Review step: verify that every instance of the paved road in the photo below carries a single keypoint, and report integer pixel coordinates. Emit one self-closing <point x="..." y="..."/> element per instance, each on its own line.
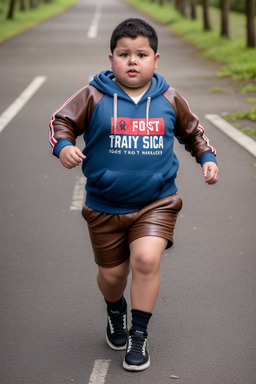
<point x="52" y="317"/>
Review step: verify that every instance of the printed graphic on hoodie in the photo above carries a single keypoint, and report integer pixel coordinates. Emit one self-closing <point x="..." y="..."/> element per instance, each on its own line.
<point x="130" y="134"/>
<point x="128" y="126"/>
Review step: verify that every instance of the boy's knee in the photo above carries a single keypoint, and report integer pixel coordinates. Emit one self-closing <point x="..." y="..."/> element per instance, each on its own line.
<point x="111" y="278"/>
<point x="144" y="263"/>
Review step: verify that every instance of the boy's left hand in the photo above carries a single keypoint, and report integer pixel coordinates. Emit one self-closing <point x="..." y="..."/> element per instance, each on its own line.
<point x="210" y="172"/>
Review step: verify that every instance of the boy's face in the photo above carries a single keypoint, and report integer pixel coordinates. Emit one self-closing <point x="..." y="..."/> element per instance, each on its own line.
<point x="133" y="63"/>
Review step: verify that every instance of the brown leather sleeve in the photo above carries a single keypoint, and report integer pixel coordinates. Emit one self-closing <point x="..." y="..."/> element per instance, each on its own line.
<point x="188" y="131"/>
<point x="74" y="116"/>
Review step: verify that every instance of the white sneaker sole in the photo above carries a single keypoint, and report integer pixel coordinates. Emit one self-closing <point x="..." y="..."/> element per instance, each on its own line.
<point x="136" y="368"/>
<point x="112" y="346"/>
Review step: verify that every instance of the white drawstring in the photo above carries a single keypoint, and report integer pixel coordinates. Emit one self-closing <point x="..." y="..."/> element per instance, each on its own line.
<point x="147" y="112"/>
<point x="115" y="112"/>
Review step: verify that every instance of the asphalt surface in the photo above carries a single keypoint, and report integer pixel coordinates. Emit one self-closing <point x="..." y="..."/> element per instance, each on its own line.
<point x="52" y="315"/>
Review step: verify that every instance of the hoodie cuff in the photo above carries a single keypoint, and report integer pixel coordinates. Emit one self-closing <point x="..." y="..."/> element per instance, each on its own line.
<point x="207" y="156"/>
<point x="59" y="145"/>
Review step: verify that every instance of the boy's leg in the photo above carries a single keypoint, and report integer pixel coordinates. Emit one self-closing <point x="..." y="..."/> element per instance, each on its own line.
<point x="145" y="258"/>
<point x="112" y="283"/>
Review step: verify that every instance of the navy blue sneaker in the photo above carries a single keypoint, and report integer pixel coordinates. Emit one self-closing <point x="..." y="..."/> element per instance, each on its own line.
<point x="137" y="353"/>
<point x="117" y="332"/>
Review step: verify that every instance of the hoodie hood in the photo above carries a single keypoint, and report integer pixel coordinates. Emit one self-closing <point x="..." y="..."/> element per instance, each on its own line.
<point x="104" y="83"/>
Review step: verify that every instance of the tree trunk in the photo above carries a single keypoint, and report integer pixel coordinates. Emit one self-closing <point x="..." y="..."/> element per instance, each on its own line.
<point x="10" y="13"/>
<point x="22" y="5"/>
<point x="193" y="9"/>
<point x="180" y="5"/>
<point x="184" y="8"/>
<point x="250" y="24"/>
<point x="206" y="19"/>
<point x="225" y="7"/>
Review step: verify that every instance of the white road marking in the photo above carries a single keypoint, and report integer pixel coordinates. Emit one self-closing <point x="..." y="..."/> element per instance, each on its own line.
<point x="19" y="103"/>
<point x="239" y="137"/>
<point x="93" y="30"/>
<point x="99" y="372"/>
<point x="78" y="197"/>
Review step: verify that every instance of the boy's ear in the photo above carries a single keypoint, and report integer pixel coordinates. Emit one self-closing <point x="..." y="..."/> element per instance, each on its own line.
<point x="157" y="57"/>
<point x="110" y="59"/>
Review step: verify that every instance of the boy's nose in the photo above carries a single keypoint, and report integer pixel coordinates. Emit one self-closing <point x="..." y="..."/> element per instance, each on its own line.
<point x="133" y="60"/>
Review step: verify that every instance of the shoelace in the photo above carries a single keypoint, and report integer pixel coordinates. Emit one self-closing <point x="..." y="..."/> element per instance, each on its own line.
<point x="117" y="320"/>
<point x="136" y="344"/>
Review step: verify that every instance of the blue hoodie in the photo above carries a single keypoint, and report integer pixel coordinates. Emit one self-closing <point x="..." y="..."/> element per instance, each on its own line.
<point x="130" y="160"/>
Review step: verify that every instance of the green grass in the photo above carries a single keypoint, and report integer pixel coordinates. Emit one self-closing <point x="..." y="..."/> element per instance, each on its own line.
<point x="216" y="89"/>
<point x="249" y="89"/>
<point x="246" y="131"/>
<point x="243" y="115"/>
<point x="250" y="115"/>
<point x="239" y="61"/>
<point x="29" y="18"/>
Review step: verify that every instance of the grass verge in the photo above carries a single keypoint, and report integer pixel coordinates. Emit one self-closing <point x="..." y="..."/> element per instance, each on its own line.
<point x="24" y="20"/>
<point x="244" y="116"/>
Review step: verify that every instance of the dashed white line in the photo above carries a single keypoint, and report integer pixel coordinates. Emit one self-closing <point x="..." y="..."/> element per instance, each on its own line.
<point x="78" y="197"/>
<point x="239" y="137"/>
<point x="99" y="372"/>
<point x="93" y="30"/>
<point x="21" y="100"/>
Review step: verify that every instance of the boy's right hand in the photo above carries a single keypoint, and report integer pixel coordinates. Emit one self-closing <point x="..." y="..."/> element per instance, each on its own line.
<point x="70" y="156"/>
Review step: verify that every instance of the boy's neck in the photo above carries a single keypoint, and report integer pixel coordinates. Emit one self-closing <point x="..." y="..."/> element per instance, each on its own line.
<point x="134" y="92"/>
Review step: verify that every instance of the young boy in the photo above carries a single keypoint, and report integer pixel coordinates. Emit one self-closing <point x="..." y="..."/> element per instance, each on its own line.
<point x="129" y="117"/>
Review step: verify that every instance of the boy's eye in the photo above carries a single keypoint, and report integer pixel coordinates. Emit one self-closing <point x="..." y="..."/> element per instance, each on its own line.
<point x="123" y="54"/>
<point x="141" y="55"/>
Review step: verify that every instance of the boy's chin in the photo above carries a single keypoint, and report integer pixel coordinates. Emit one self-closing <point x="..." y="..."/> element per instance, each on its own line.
<point x="135" y="86"/>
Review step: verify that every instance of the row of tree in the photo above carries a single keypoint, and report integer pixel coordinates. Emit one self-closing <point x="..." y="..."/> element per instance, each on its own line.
<point x="23" y="5"/>
<point x="188" y="8"/>
<point x="183" y="6"/>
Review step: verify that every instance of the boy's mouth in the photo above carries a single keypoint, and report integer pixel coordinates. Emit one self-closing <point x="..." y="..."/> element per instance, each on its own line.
<point x="132" y="71"/>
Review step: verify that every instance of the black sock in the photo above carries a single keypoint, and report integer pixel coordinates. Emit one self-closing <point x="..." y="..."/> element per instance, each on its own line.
<point x="140" y="320"/>
<point x="117" y="306"/>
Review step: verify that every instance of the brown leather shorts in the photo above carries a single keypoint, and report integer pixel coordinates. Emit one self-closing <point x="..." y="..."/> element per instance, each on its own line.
<point x="111" y="235"/>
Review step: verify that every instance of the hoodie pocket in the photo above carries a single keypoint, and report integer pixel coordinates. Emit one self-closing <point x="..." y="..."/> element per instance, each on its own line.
<point x="130" y="186"/>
